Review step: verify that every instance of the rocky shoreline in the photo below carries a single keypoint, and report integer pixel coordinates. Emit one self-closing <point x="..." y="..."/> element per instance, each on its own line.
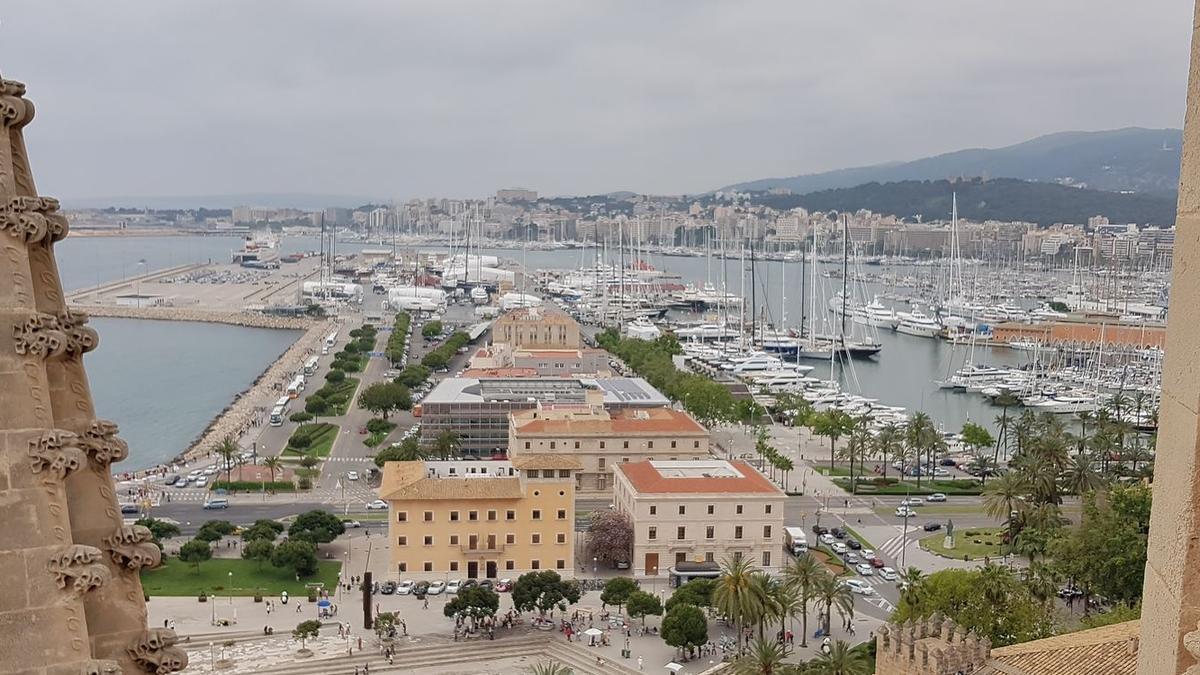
<point x="244" y="319"/>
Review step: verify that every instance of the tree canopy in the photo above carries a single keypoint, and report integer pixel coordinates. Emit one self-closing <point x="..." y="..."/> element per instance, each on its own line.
<point x="195" y="552"/>
<point x="542" y="591"/>
<point x="685" y="627"/>
<point x="319" y="527"/>
<point x="474" y="602"/>
<point x="617" y="590"/>
<point x="610" y="536"/>
<point x="385" y="398"/>
<point x="297" y="555"/>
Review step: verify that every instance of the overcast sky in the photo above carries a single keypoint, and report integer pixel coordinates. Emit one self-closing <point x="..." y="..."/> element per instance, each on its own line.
<point x="405" y="99"/>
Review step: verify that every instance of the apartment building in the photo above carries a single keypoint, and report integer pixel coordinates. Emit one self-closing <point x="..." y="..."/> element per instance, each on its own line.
<point x="537" y="328"/>
<point x="501" y="356"/>
<point x="690" y="512"/>
<point x="600" y="439"/>
<point x="476" y="520"/>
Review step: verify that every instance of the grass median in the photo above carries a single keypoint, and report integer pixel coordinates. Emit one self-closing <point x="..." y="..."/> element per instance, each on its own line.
<point x="177" y="578"/>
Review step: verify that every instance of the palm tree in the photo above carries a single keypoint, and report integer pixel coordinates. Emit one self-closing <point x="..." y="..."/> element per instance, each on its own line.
<point x="765" y="658"/>
<point x="446" y="444"/>
<point x="786" y="466"/>
<point x="273" y="464"/>
<point x="922" y="437"/>
<point x="833" y="594"/>
<point x="763" y="600"/>
<point x="227" y="449"/>
<point x="860" y="443"/>
<point x="1005" y="400"/>
<point x="549" y="668"/>
<point x="803" y="575"/>
<point x="787" y="603"/>
<point x="1001" y="498"/>
<point x="994" y="582"/>
<point x="733" y="596"/>
<point x="889" y="443"/>
<point x="842" y="659"/>
<point x="912" y="582"/>
<point x="1080" y="477"/>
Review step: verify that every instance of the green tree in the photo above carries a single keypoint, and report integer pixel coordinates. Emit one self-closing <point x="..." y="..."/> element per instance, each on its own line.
<point x="316" y="405"/>
<point x="263" y="528"/>
<point x="413" y="375"/>
<point x="272" y="464"/>
<point x="475" y="603"/>
<point x="259" y="550"/>
<point x="195" y="552"/>
<point x="1106" y="553"/>
<point x="616" y="591"/>
<point x="976" y="437"/>
<point x="610" y="536"/>
<point x="640" y="604"/>
<point x="832" y="424"/>
<point x="306" y="630"/>
<point x="1002" y="497"/>
<point x="308" y="461"/>
<point x="804" y="574"/>
<point x="923" y="440"/>
<point x="766" y="657"/>
<point x="445" y="445"/>
<point x="832" y="594"/>
<point x="297" y="555"/>
<point x="227" y="449"/>
<point x="319" y="527"/>
<point x="334" y="376"/>
<point x="549" y="668"/>
<point x="685" y="627"/>
<point x="159" y="529"/>
<point x="843" y="659"/>
<point x="543" y="591"/>
<point x="431" y="329"/>
<point x="408" y="450"/>
<point x="301" y="417"/>
<point x="384" y="398"/>
<point x="734" y="598"/>
<point x="696" y="592"/>
<point x="213" y="530"/>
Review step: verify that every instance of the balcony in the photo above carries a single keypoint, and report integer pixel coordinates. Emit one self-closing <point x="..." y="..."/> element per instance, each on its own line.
<point x="481" y="548"/>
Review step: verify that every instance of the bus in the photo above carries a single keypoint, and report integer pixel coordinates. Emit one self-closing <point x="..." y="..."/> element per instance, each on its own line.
<point x="277" y="414"/>
<point x="297" y="386"/>
<point x="310" y="366"/>
<point x="283" y="402"/>
<point x="331" y="339"/>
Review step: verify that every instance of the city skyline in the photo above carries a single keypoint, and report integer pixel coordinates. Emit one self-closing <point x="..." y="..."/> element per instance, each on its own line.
<point x="396" y="103"/>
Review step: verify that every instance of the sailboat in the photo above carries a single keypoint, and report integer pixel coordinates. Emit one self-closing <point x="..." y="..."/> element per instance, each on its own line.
<point x="858" y="349"/>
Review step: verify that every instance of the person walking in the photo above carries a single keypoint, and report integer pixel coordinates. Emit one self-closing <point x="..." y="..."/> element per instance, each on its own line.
<point x="640" y="664"/>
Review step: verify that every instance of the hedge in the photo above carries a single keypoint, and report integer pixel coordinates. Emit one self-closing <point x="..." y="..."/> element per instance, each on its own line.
<point x="253" y="485"/>
<point x="396" y="341"/>
<point x="440" y="357"/>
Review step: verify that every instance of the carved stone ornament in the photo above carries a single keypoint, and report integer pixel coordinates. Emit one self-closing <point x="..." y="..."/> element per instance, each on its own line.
<point x="33" y="219"/>
<point x="132" y="547"/>
<point x="55" y="452"/>
<point x="1191" y="642"/>
<point x="155" y="652"/>
<point x="39" y="335"/>
<point x="78" y="567"/>
<point x="15" y="111"/>
<point x="101" y="667"/>
<point x="102" y="445"/>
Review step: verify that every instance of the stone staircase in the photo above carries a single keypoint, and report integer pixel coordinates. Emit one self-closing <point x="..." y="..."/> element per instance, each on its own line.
<point x="408" y="659"/>
<point x="583" y="662"/>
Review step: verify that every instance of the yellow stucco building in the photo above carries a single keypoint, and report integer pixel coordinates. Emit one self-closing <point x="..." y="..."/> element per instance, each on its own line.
<point x="476" y="520"/>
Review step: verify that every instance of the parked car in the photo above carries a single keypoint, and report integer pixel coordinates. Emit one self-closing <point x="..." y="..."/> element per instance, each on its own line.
<point x="388" y="587"/>
<point x="622" y="564"/>
<point x="911" y="501"/>
<point x="377" y="505"/>
<point x="504" y="585"/>
<point x="865" y="570"/>
<point x="839" y="548"/>
<point x="201" y="481"/>
<point x="350" y="522"/>
<point x="469" y="583"/>
<point x="905" y="512"/>
<point x="818" y="530"/>
<point x="887" y="574"/>
<point x="421" y="588"/>
<point x="937" y="497"/>
<point x="854" y="544"/>
<point x="453" y="585"/>
<point x="838" y="532"/>
<point x="405" y="587"/>
<point x="1069" y="592"/>
<point x="876" y="562"/>
<point x="129" y="508"/>
<point x="852" y="558"/>
<point x="437" y="587"/>
<point x="172" y="479"/>
<point x="932" y="527"/>
<point x="946" y="461"/>
<point x="858" y="586"/>
<point x="827" y="538"/>
<point x="867" y="553"/>
<point x="486" y="583"/>
<point x="351" y="475"/>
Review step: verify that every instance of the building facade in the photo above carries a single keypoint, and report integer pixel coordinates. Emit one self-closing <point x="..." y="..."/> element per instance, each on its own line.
<point x="601" y="439"/>
<point x="449" y="520"/>
<point x="585" y="361"/>
<point x="699" y="511"/>
<point x="537" y="328"/>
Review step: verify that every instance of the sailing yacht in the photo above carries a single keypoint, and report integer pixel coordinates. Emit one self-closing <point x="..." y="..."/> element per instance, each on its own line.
<point x="917" y="323"/>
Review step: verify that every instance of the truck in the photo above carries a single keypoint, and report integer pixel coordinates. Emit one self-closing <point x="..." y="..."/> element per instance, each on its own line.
<point x="795" y="541"/>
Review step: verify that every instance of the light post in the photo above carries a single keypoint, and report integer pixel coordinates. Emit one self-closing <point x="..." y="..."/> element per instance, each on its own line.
<point x="231" y="588"/>
<point x="904" y="537"/>
<point x="595" y="563"/>
<point x="212" y="602"/>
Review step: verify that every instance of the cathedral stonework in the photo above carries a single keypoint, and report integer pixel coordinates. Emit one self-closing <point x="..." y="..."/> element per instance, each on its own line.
<point x="63" y="542"/>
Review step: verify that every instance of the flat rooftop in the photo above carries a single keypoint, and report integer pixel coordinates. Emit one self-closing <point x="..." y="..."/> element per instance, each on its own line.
<point x="552" y="420"/>
<point x="628" y="391"/>
<point x="706" y="476"/>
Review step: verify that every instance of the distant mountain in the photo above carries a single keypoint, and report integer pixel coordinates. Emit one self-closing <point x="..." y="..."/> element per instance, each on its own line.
<point x="999" y="199"/>
<point x="270" y="200"/>
<point x="1130" y="159"/>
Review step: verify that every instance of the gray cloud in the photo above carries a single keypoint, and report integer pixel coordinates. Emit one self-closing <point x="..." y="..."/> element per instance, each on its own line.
<point x="459" y="98"/>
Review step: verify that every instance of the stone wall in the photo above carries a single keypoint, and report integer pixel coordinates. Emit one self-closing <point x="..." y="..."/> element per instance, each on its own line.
<point x="931" y="646"/>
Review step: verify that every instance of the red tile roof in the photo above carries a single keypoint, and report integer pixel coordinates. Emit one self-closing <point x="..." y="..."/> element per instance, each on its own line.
<point x="647" y="480"/>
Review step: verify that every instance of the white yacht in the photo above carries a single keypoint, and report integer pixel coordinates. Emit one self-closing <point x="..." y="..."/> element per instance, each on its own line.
<point x="706" y="331"/>
<point x="642" y="329"/>
<point x="917" y="323"/>
<point x="876" y="315"/>
<point x="756" y="361"/>
<point x="480" y="296"/>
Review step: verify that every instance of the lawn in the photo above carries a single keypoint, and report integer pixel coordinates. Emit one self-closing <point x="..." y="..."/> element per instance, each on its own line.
<point x="378" y="437"/>
<point x="948" y="509"/>
<point x="835" y="471"/>
<point x="323" y="434"/>
<point x="962" y="487"/>
<point x="180" y="578"/>
<point x="975" y="543"/>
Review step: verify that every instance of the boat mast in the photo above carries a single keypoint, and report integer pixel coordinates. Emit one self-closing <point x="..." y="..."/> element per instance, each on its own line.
<point x="845" y="271"/>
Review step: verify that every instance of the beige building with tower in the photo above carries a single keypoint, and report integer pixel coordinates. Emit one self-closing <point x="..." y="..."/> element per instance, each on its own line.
<point x="537" y="328"/>
<point x="477" y="520"/>
<point x="600" y="439"/>
<point x="702" y="511"/>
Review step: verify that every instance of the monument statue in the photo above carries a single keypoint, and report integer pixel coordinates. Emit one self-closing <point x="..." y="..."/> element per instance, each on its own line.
<point x="949" y="541"/>
<point x="73" y="600"/>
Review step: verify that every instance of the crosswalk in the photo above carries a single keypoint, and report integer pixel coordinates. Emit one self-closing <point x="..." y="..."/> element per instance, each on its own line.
<point x="893" y="547"/>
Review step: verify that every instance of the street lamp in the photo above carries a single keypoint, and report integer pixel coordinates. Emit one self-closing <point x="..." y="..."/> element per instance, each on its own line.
<point x="595" y="563"/>
<point x="212" y="602"/>
<point x="231" y="588"/>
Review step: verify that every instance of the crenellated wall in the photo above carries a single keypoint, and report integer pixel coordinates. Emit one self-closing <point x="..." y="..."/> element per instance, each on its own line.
<point x="932" y="646"/>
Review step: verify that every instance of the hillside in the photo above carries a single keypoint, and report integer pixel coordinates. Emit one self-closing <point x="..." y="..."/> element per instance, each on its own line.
<point x="1135" y="159"/>
<point x="998" y="199"/>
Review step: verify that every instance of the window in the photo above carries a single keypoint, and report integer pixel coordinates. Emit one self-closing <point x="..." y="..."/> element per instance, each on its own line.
<point x="766" y="558"/>
<point x="560" y="564"/>
<point x="653" y="533"/>
<point x="695" y="444"/>
<point x="402" y="516"/>
<point x="531" y="473"/>
<point x="672" y="445"/>
<point x="737" y="532"/>
<point x="625" y="444"/>
<point x="601" y="463"/>
<point x="510" y="515"/>
<point x="472" y="515"/>
<point x="429" y="540"/>
<point x="682" y="509"/>
<point x="428" y="567"/>
<point x="453" y="516"/>
<point x="403" y="567"/>
<point x="402" y="541"/>
<point x="535" y="538"/>
<point x="510" y="538"/>
<point x="710" y="509"/>
<point x="650" y="444"/>
<point x="601" y="445"/>
<point x="737" y="556"/>
<point x="453" y="565"/>
<point x="564" y="473"/>
<point x="552" y="445"/>
<point x="708" y="557"/>
<point x="561" y="538"/>
<point x="768" y="509"/>
<point x="491" y="514"/>
<point x="625" y="460"/>
<point x="537" y="514"/>
<point x="653" y="510"/>
<point x="535" y="564"/>
<point x="562" y="514"/>
<point x="708" y="532"/>
<point x="526" y="445"/>
<point x="766" y="531"/>
<point x="429" y="516"/>
<point x="508" y="565"/>
<point x="681" y="532"/>
<point x="739" y="509"/>
<point x="454" y="540"/>
<point x="576" y="445"/>
<point x="680" y="556"/>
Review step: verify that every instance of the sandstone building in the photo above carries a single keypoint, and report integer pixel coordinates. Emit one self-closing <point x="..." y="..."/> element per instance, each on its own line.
<point x="537" y="328"/>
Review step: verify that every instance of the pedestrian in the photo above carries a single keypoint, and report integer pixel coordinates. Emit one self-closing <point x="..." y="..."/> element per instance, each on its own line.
<point x="360" y="644"/>
<point x="426" y="606"/>
<point x="640" y="664"/>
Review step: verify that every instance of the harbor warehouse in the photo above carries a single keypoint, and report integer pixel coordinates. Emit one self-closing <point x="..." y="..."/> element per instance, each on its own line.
<point x="695" y="514"/>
